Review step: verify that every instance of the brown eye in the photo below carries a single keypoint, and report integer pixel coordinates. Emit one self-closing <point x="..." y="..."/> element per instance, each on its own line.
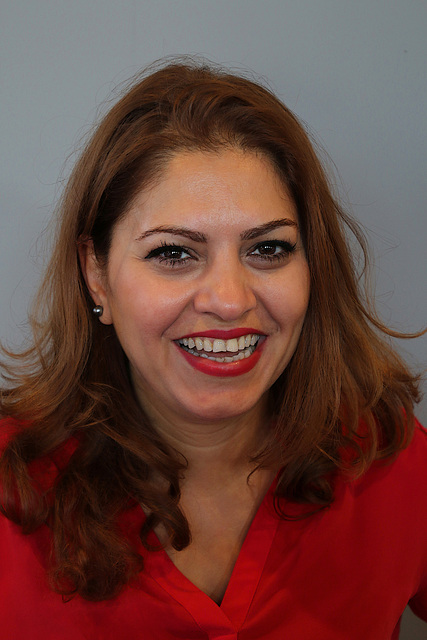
<point x="273" y="250"/>
<point x="268" y="249"/>
<point x="170" y="254"/>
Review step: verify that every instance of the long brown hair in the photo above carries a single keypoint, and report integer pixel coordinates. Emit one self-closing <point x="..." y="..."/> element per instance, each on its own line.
<point x="344" y="400"/>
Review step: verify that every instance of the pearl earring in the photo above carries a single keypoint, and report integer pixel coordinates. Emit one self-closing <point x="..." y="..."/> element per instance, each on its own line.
<point x="98" y="310"/>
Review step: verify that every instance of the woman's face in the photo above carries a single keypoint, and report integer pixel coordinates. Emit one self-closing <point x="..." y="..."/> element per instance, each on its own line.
<point x="207" y="286"/>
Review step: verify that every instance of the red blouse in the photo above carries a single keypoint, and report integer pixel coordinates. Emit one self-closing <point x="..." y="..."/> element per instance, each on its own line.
<point x="345" y="573"/>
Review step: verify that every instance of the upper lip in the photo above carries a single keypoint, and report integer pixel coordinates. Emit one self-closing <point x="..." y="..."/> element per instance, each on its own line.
<point x="224" y="334"/>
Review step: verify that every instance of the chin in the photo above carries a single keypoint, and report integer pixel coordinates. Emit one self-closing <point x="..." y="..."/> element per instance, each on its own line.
<point x="220" y="412"/>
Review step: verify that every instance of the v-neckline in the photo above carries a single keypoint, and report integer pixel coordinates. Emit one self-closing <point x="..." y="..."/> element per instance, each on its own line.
<point x="229" y="616"/>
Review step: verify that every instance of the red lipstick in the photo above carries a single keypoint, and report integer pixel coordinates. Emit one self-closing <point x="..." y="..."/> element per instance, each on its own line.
<point x="222" y="369"/>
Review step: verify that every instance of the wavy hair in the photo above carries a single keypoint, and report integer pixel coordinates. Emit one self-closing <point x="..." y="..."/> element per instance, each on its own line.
<point x="344" y="400"/>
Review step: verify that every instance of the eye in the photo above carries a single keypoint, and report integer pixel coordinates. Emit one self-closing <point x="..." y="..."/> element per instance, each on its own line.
<point x="170" y="255"/>
<point x="272" y="250"/>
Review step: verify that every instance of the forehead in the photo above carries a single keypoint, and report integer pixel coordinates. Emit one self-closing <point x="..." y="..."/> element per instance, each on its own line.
<point x="215" y="189"/>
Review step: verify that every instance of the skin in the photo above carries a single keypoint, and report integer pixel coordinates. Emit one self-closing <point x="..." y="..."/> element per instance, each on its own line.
<point x="224" y="282"/>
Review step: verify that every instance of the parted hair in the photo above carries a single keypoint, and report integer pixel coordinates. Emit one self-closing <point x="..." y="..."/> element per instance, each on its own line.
<point x="344" y="401"/>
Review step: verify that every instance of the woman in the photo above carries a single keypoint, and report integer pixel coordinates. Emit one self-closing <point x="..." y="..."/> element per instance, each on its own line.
<point x="210" y="437"/>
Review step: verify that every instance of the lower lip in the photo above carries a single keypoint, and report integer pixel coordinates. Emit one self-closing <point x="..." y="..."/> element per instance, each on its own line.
<point x="222" y="369"/>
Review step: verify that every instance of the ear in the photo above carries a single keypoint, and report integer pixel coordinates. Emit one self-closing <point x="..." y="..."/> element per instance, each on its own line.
<point x="95" y="279"/>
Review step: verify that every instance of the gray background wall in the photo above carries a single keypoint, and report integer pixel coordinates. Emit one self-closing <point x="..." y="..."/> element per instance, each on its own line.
<point x="354" y="71"/>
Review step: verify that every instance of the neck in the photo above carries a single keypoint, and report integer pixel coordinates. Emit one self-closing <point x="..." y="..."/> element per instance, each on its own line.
<point x="223" y="447"/>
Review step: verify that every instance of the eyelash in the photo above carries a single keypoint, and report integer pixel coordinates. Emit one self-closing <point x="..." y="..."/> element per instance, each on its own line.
<point x="287" y="249"/>
<point x="165" y="247"/>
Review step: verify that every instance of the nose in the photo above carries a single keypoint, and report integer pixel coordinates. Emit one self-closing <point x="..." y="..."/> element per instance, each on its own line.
<point x="226" y="290"/>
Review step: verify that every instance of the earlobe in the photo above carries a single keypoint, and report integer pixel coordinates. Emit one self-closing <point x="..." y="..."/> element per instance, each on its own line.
<point x="95" y="280"/>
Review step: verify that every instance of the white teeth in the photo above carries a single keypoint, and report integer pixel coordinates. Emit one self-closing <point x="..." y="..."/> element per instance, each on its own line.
<point x="242" y="347"/>
<point x="207" y="345"/>
<point x="232" y="345"/>
<point x="239" y="356"/>
<point x="218" y="345"/>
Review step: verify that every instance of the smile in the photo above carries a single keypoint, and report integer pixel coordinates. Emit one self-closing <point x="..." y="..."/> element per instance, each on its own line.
<point x="241" y="348"/>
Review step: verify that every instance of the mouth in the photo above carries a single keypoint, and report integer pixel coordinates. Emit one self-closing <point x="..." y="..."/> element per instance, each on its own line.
<point x="221" y="350"/>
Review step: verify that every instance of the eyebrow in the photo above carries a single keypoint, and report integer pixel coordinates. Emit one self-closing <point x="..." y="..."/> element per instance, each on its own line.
<point x="250" y="234"/>
<point x="175" y="231"/>
<point x="196" y="236"/>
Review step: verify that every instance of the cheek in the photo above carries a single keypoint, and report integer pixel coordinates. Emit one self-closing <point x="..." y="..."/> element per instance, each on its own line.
<point x="289" y="300"/>
<point x="145" y="306"/>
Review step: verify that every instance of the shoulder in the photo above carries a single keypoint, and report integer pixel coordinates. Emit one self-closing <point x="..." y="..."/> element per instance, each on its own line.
<point x="419" y="441"/>
<point x="417" y="447"/>
<point x="392" y="496"/>
<point x="411" y="462"/>
<point x="406" y="470"/>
